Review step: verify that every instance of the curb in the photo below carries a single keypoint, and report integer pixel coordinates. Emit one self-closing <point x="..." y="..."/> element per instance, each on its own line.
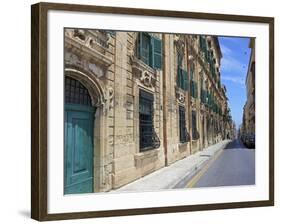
<point x="196" y="169"/>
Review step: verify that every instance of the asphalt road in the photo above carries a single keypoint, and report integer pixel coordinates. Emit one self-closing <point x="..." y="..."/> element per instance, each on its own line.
<point x="235" y="165"/>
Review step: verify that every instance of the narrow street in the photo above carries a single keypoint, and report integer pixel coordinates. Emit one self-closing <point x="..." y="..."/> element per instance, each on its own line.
<point x="234" y="165"/>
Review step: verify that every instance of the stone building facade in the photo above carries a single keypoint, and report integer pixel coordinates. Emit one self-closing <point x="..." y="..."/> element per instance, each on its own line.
<point x="136" y="102"/>
<point x="248" y="123"/>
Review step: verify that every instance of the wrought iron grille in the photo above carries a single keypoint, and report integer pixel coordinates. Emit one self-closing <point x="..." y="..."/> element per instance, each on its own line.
<point x="184" y="136"/>
<point x="148" y="137"/>
<point x="195" y="133"/>
<point x="76" y="93"/>
<point x="155" y="140"/>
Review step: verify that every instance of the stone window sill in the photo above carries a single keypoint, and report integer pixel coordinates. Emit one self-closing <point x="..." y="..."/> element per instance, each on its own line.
<point x="183" y="143"/>
<point x="194" y="140"/>
<point x="150" y="155"/>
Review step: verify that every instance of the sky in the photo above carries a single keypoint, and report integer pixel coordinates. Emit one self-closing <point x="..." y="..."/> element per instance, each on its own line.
<point x="234" y="67"/>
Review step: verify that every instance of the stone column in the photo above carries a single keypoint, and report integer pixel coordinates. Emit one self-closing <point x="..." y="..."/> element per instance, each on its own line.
<point x="123" y="157"/>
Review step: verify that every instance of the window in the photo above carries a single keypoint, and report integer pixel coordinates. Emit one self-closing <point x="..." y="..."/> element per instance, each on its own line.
<point x="150" y="50"/>
<point x="203" y="96"/>
<point x="148" y="137"/>
<point x="195" y="134"/>
<point x="184" y="137"/>
<point x="210" y="99"/>
<point x="194" y="87"/>
<point x="76" y="93"/>
<point x="202" y="42"/>
<point x="111" y="32"/>
<point x="203" y="93"/>
<point x="182" y="77"/>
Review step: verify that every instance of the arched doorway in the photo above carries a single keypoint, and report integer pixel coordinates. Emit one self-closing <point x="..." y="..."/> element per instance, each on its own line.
<point x="78" y="138"/>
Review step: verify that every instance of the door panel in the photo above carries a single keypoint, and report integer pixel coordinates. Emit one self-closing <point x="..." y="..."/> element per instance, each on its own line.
<point x="78" y="149"/>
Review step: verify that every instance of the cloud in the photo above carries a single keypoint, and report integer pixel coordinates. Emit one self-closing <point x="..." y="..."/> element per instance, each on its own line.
<point x="225" y="50"/>
<point x="234" y="79"/>
<point x="230" y="64"/>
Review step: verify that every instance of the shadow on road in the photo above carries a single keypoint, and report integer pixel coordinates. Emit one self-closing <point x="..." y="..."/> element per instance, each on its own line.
<point x="235" y="144"/>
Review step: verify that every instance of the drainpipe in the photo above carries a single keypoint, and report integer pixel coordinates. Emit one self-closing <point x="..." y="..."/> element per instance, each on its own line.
<point x="164" y="101"/>
<point x="189" y="100"/>
<point x="164" y="107"/>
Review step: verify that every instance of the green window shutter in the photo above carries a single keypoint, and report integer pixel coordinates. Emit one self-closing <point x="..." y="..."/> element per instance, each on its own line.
<point x="191" y="73"/>
<point x="157" y="53"/>
<point x="196" y="90"/>
<point x="178" y="77"/>
<point x="185" y="80"/>
<point x="188" y="81"/>
<point x="182" y="79"/>
<point x="193" y="89"/>
<point x="111" y="32"/>
<point x="144" y="47"/>
<point x="203" y="97"/>
<point x="138" y="47"/>
<point x="200" y="42"/>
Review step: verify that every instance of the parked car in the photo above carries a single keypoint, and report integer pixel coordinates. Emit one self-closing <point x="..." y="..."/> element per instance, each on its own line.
<point x="243" y="137"/>
<point x="248" y="140"/>
<point x="251" y="141"/>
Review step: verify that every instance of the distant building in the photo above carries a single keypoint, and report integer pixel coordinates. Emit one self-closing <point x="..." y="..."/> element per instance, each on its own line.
<point x="136" y="102"/>
<point x="248" y="122"/>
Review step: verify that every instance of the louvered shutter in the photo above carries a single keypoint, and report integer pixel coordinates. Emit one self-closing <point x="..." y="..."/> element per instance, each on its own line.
<point x="157" y="53"/>
<point x="185" y="80"/>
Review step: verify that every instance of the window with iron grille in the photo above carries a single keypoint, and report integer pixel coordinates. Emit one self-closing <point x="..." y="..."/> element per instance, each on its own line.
<point x="76" y="93"/>
<point x="195" y="134"/>
<point x="184" y="137"/>
<point x="146" y="129"/>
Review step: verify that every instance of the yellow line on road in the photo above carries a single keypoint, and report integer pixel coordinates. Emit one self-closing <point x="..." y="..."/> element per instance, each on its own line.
<point x="197" y="177"/>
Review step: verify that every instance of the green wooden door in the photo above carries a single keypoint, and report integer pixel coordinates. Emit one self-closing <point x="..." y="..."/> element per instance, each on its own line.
<point x="78" y="175"/>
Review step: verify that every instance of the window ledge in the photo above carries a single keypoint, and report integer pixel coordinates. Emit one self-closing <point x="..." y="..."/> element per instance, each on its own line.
<point x="146" y="76"/>
<point x="139" y="64"/>
<point x="150" y="155"/>
<point x="183" y="143"/>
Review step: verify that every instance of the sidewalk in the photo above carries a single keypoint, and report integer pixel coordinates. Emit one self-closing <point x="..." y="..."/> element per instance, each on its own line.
<point x="174" y="175"/>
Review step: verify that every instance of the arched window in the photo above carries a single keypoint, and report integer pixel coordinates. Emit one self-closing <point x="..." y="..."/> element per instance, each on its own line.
<point x="76" y="93"/>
